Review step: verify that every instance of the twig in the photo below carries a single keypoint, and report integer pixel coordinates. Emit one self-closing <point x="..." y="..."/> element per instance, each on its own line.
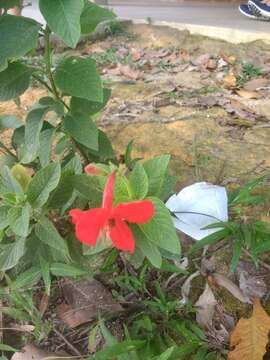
<point x="68" y="343"/>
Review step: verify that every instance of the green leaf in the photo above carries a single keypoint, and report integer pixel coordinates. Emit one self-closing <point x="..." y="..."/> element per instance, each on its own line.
<point x="83" y="130"/>
<point x="105" y="151"/>
<point x="18" y="36"/>
<point x="63" y="17"/>
<point x="3" y="217"/>
<point x="92" y="15"/>
<point x="63" y="192"/>
<point x="10" y="254"/>
<point x="112" y="351"/>
<point x="210" y="240"/>
<point x="9" y="122"/>
<point x="138" y="181"/>
<point x="42" y="184"/>
<point x="237" y="245"/>
<point x="160" y="230"/>
<point x="44" y="151"/>
<point x="79" y="77"/>
<point x="14" y="80"/>
<point x="147" y="247"/>
<point x="21" y="174"/>
<point x="89" y="187"/>
<point x="7" y="160"/>
<point x="165" y="355"/>
<point x="67" y="270"/>
<point x="27" y="279"/>
<point x="47" y="233"/>
<point x="4" y="347"/>
<point x="168" y="187"/>
<point x="45" y="272"/>
<point x="33" y="126"/>
<point x="8" y="4"/>
<point x="156" y="170"/>
<point x="19" y="218"/>
<point x="8" y="183"/>
<point x="86" y="107"/>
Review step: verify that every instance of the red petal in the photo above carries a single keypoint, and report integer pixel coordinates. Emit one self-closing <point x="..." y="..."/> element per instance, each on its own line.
<point x="89" y="225"/>
<point x="75" y="215"/>
<point x="138" y="212"/>
<point x="122" y="236"/>
<point x="108" y="192"/>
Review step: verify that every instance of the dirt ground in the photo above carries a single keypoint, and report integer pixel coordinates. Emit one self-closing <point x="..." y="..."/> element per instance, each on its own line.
<point x="172" y="98"/>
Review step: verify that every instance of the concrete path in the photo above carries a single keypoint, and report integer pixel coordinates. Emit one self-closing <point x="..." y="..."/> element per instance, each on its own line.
<point x="211" y="19"/>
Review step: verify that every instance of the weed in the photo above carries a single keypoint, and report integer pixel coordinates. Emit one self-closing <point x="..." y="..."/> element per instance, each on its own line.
<point x="249" y="71"/>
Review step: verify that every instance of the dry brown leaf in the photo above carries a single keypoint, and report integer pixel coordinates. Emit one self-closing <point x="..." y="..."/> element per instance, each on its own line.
<point x="85" y="299"/>
<point x="31" y="352"/>
<point x="247" y="94"/>
<point x="136" y="54"/>
<point x="205" y="307"/>
<point x="229" y="81"/>
<point x="240" y="110"/>
<point x="201" y="60"/>
<point x="250" y="336"/>
<point x="185" y="289"/>
<point x="255" y="84"/>
<point x="222" y="281"/>
<point x="128" y="72"/>
<point x="229" y="59"/>
<point x="212" y="64"/>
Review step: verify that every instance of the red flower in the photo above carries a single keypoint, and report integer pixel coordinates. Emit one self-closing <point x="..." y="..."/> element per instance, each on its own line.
<point x="89" y="224"/>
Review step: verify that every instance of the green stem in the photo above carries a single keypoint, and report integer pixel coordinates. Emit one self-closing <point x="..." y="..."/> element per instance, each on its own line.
<point x="39" y="79"/>
<point x="50" y="89"/>
<point x="47" y="58"/>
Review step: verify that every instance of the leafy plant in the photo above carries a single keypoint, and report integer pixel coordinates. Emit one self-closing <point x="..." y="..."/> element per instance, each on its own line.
<point x="249" y="71"/>
<point x="42" y="172"/>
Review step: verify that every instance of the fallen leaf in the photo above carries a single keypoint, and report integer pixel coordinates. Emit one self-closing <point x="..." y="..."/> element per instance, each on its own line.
<point x="201" y="60"/>
<point x="31" y="352"/>
<point x="185" y="289"/>
<point x="240" y="110"/>
<point x="255" y="84"/>
<point x="229" y="81"/>
<point x="251" y="280"/>
<point x="135" y="54"/>
<point x="212" y="64"/>
<point x="229" y="59"/>
<point x="226" y="283"/>
<point x="205" y="307"/>
<point x="130" y="73"/>
<point x="85" y="299"/>
<point x="250" y="336"/>
<point x="247" y="94"/>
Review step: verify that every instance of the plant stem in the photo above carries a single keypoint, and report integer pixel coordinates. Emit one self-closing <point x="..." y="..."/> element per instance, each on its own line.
<point x="47" y="58"/>
<point x="43" y="82"/>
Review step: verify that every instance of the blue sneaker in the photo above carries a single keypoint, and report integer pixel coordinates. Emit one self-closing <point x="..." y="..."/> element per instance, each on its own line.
<point x="246" y="10"/>
<point x="259" y="9"/>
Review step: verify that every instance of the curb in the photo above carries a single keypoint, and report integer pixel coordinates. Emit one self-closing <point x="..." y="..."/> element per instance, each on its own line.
<point x="234" y="36"/>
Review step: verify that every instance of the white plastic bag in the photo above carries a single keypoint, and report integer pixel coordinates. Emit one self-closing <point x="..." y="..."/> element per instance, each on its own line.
<point x="197" y="206"/>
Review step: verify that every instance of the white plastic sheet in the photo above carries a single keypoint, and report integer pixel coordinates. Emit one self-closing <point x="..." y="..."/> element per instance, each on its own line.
<point x="197" y="206"/>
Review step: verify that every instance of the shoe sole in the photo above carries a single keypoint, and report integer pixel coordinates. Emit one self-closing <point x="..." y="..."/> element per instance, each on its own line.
<point x="265" y="14"/>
